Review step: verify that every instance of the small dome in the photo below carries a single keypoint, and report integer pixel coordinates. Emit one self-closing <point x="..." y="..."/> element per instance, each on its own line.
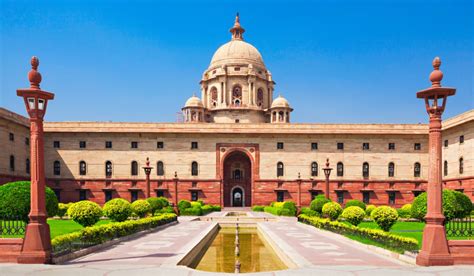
<point x="237" y="51"/>
<point x="194" y="102"/>
<point x="280" y="102"/>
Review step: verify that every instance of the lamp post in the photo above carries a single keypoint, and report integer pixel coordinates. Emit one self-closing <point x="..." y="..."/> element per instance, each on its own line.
<point x="147" y="170"/>
<point x="37" y="242"/>
<point x="435" y="249"/>
<point x="327" y="172"/>
<point x="176" y="179"/>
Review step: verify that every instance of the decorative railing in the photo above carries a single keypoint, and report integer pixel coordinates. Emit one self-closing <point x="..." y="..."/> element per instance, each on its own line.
<point x="460" y="227"/>
<point x="12" y="226"/>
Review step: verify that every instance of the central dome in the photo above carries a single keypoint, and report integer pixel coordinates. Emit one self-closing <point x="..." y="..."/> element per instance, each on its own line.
<point x="237" y="51"/>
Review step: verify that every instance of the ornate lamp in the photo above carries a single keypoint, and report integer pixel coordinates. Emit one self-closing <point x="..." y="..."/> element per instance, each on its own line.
<point x="147" y="170"/>
<point x="327" y="172"/>
<point x="435" y="250"/>
<point x="37" y="242"/>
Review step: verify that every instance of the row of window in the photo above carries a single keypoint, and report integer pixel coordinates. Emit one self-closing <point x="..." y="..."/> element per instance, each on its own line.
<point x="108" y="144"/>
<point x="461" y="166"/>
<point x="461" y="141"/>
<point x="340" y="146"/>
<point x="11" y="137"/>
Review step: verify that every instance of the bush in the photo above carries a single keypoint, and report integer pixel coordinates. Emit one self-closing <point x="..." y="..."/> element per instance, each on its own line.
<point x="405" y="211"/>
<point x="258" y="208"/>
<point x="353" y="214"/>
<point x="117" y="209"/>
<point x="193" y="211"/>
<point x="184" y="204"/>
<point x="465" y="205"/>
<point x="385" y="217"/>
<point x="157" y="203"/>
<point x="196" y="204"/>
<point x="62" y="209"/>
<point x="86" y="213"/>
<point x="450" y="205"/>
<point x="369" y="209"/>
<point x="307" y="211"/>
<point x="15" y="200"/>
<point x="206" y="209"/>
<point x="141" y="208"/>
<point x="332" y="210"/>
<point x="286" y="208"/>
<point x="355" y="202"/>
<point x="291" y="207"/>
<point x="390" y="240"/>
<point x="273" y="210"/>
<point x="99" y="234"/>
<point x="216" y="208"/>
<point x="318" y="203"/>
<point x="166" y="210"/>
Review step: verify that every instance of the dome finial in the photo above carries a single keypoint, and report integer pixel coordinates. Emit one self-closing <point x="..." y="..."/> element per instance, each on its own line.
<point x="34" y="76"/>
<point x="237" y="31"/>
<point x="436" y="76"/>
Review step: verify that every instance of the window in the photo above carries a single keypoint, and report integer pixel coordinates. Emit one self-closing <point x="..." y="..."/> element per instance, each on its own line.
<point x="194" y="145"/>
<point x="194" y="196"/>
<point x="417" y="170"/>
<point x="340" y="197"/>
<point x="391" y="146"/>
<point x="108" y="195"/>
<point x="260" y="97"/>
<point x="56" y="144"/>
<point x="461" y="165"/>
<point x="280" y="169"/>
<point x="134" y="145"/>
<point x="314" y="169"/>
<point x="445" y="169"/>
<point x="314" y="194"/>
<point x="446" y="143"/>
<point x="160" y="170"/>
<point x="340" y="169"/>
<point x="391" y="198"/>
<point x="461" y="139"/>
<point x="57" y="168"/>
<point x="366" y="197"/>
<point x="82" y="194"/>
<point x="391" y="169"/>
<point x="314" y="146"/>
<point x="237" y="68"/>
<point x="57" y="192"/>
<point x="194" y="168"/>
<point x="365" y="146"/>
<point x="82" y="168"/>
<point x="365" y="170"/>
<point x="417" y="146"/>
<point x="133" y="195"/>
<point x="27" y="141"/>
<point x="11" y="137"/>
<point x="160" y="145"/>
<point x="82" y="144"/>
<point x="237" y="95"/>
<point x="237" y="121"/>
<point x="108" y="169"/>
<point x="108" y="144"/>
<point x="134" y="168"/>
<point x="280" y="145"/>
<point x="12" y="163"/>
<point x="280" y="196"/>
<point x="160" y="193"/>
<point x="28" y="166"/>
<point x="340" y="146"/>
<point x="237" y="175"/>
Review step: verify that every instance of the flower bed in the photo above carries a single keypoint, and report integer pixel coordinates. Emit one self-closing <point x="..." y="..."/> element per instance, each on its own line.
<point x="391" y="241"/>
<point x="94" y="235"/>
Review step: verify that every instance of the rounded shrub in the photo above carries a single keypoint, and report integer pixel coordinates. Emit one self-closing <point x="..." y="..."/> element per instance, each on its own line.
<point x="165" y="210"/>
<point x="141" y="207"/>
<point x="355" y="202"/>
<point x="385" y="217"/>
<point x="15" y="200"/>
<point x="291" y="207"/>
<point x="369" y="209"/>
<point x="196" y="204"/>
<point x="332" y="210"/>
<point x="405" y="211"/>
<point x="62" y="209"/>
<point x="117" y="209"/>
<point x="156" y="203"/>
<point x="465" y="205"/>
<point x="86" y="213"/>
<point x="307" y="211"/>
<point x="184" y="204"/>
<point x="450" y="205"/>
<point x="318" y="203"/>
<point x="353" y="214"/>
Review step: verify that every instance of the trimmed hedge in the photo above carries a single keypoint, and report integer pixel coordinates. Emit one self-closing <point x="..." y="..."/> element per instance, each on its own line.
<point x="390" y="240"/>
<point x="157" y="203"/>
<point x="184" y="204"/>
<point x="98" y="234"/>
<point x="307" y="211"/>
<point x="369" y="209"/>
<point x="450" y="205"/>
<point x="332" y="210"/>
<point x="465" y="205"/>
<point x="141" y="208"/>
<point x="85" y="212"/>
<point x="318" y="203"/>
<point x="196" y="208"/>
<point x="355" y="202"/>
<point x="405" y="211"/>
<point x="117" y="209"/>
<point x="258" y="208"/>
<point x="385" y="217"/>
<point x="166" y="210"/>
<point x="15" y="200"/>
<point x="62" y="209"/>
<point x="353" y="214"/>
<point x="286" y="208"/>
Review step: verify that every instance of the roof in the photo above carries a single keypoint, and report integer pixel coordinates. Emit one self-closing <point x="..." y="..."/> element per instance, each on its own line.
<point x="14" y="117"/>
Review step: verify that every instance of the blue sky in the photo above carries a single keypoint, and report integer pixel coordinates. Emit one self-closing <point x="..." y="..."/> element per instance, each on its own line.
<point x="335" y="61"/>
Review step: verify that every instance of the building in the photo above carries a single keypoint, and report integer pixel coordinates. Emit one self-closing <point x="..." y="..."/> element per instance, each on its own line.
<point x="238" y="147"/>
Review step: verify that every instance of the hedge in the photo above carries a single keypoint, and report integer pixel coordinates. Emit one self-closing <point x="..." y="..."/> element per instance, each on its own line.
<point x="89" y="236"/>
<point x="309" y="212"/>
<point x="286" y="208"/>
<point x="390" y="240"/>
<point x="258" y="208"/>
<point x="318" y="203"/>
<point x="355" y="202"/>
<point x="196" y="208"/>
<point x="451" y="207"/>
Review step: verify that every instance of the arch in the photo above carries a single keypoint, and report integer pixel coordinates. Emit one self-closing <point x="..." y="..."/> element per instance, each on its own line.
<point x="194" y="168"/>
<point x="82" y="168"/>
<point x="391" y="169"/>
<point x="280" y="169"/>
<point x="340" y="169"/>
<point x="232" y="203"/>
<point x="213" y="96"/>
<point x="56" y="168"/>
<point x="365" y="170"/>
<point x="314" y="169"/>
<point x="160" y="168"/>
<point x="237" y="159"/>
<point x="134" y="168"/>
<point x="237" y="95"/>
<point x="417" y="169"/>
<point x="108" y="168"/>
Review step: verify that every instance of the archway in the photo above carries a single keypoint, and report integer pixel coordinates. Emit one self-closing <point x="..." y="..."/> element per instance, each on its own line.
<point x="237" y="180"/>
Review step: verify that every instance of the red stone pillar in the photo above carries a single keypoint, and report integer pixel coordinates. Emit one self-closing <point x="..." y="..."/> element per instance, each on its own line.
<point x="435" y="249"/>
<point x="37" y="242"/>
<point x="147" y="170"/>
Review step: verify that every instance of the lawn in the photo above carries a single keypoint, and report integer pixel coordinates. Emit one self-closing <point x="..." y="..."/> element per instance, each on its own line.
<point x="60" y="227"/>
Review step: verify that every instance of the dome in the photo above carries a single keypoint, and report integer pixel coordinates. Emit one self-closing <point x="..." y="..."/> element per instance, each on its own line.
<point x="194" y="102"/>
<point x="237" y="51"/>
<point x="280" y="102"/>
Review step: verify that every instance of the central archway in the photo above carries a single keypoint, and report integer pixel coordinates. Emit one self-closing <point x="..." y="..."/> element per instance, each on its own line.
<point x="237" y="180"/>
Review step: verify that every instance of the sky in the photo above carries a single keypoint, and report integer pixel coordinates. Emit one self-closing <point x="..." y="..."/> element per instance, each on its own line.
<point x="335" y="61"/>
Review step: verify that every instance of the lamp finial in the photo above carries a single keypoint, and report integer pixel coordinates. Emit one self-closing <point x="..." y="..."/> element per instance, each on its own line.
<point x="34" y="76"/>
<point x="436" y="76"/>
